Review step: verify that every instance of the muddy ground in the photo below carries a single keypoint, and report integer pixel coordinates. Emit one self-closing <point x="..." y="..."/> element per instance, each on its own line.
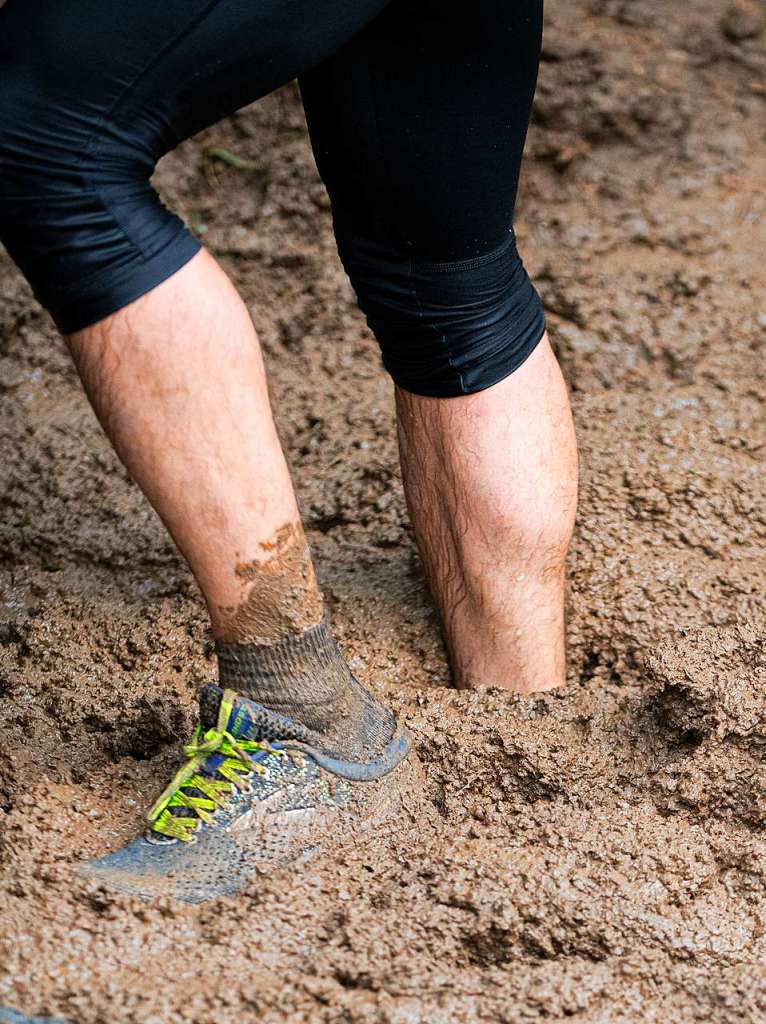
<point x="596" y="855"/>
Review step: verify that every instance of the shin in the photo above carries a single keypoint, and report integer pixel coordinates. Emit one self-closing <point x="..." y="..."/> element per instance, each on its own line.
<point x="491" y="484"/>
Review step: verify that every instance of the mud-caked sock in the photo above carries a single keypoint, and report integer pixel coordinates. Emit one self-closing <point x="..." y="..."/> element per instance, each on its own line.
<point x="306" y="678"/>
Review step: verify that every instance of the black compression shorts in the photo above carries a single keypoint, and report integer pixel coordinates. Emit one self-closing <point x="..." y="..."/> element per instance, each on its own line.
<point x="417" y="111"/>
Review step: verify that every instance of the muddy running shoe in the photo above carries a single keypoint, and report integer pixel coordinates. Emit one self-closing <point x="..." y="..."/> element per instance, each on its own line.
<point x="252" y="791"/>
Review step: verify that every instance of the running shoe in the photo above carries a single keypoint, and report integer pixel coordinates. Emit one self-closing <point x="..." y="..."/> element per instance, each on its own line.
<point x="253" y="791"/>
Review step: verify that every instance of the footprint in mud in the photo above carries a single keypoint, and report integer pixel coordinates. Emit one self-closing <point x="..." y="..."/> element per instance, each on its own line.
<point x="710" y="684"/>
<point x="707" y="695"/>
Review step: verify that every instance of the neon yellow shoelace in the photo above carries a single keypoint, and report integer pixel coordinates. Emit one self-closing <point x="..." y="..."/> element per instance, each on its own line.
<point x="208" y="794"/>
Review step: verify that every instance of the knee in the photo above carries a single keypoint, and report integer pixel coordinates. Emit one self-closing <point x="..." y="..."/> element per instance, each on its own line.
<point x="34" y="188"/>
<point x="45" y="197"/>
<point x="20" y="167"/>
<point x="446" y="328"/>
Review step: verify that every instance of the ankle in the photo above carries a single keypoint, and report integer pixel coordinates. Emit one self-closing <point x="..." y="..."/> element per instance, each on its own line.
<point x="306" y="678"/>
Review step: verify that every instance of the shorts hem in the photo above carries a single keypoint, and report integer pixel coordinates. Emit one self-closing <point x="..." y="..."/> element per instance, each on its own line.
<point x="135" y="281"/>
<point x="500" y="371"/>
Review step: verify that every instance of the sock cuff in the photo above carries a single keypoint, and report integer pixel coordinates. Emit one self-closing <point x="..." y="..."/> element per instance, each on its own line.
<point x="306" y="678"/>
<point x="309" y="654"/>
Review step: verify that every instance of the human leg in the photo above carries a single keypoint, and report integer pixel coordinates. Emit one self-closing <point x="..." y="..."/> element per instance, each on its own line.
<point x="491" y="485"/>
<point x="423" y="185"/>
<point x="170" y="360"/>
<point x="164" y="345"/>
<point x="178" y="382"/>
<point x="291" y="751"/>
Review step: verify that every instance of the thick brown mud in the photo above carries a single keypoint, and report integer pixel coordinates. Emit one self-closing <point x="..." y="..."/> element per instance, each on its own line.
<point x="597" y="854"/>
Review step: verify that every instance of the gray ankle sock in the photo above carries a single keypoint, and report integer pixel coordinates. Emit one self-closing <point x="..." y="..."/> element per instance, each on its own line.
<point x="306" y="678"/>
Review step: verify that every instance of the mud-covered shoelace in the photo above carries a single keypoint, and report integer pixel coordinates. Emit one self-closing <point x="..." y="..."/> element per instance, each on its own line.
<point x="203" y="794"/>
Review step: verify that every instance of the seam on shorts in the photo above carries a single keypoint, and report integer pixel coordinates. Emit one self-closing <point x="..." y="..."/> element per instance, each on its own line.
<point x="449" y="266"/>
<point x="471" y="263"/>
<point x="187" y="30"/>
<point x="421" y="316"/>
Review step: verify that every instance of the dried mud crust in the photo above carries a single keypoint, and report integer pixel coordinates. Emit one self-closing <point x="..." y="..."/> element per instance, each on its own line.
<point x="597" y="854"/>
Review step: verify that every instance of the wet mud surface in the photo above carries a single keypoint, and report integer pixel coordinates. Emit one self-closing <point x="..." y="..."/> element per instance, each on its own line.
<point x="597" y="854"/>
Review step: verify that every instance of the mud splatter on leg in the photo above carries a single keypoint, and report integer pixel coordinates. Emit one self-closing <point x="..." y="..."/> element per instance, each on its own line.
<point x="277" y="648"/>
<point x="282" y="596"/>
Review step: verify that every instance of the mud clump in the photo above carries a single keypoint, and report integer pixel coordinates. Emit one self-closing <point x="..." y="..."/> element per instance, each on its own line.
<point x="707" y="696"/>
<point x="711" y="684"/>
<point x="596" y="854"/>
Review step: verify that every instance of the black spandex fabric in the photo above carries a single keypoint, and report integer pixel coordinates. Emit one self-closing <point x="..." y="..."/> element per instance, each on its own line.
<point x="417" y="111"/>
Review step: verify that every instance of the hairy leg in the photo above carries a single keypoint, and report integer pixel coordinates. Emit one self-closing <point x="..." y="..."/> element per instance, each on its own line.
<point x="177" y="380"/>
<point x="491" y="485"/>
<point x="178" y="383"/>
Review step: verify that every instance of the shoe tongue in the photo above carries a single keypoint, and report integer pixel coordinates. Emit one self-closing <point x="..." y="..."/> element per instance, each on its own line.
<point x="210" y="697"/>
<point x="244" y="718"/>
<point x="217" y="713"/>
